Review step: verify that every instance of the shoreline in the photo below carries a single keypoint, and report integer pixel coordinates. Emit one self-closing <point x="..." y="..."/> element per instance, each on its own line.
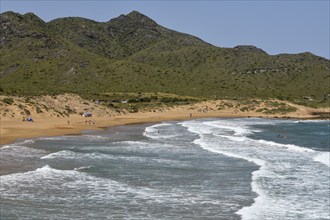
<point x="51" y="115"/>
<point x="12" y="129"/>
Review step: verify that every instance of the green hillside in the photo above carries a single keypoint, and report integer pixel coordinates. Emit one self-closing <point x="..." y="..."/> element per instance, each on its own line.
<point x="132" y="53"/>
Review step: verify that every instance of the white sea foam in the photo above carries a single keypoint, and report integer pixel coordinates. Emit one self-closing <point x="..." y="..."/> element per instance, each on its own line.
<point x="157" y="131"/>
<point x="129" y="146"/>
<point x="82" y="168"/>
<point x="214" y="150"/>
<point x="18" y="144"/>
<point x="285" y="181"/>
<point x="58" y="138"/>
<point x="71" y="155"/>
<point x="290" y="147"/>
<point x="29" y="141"/>
<point x="51" y="184"/>
<point x="60" y="154"/>
<point x="233" y="138"/>
<point x="238" y="130"/>
<point x="314" y="121"/>
<point x="28" y="178"/>
<point x="46" y="169"/>
<point x="95" y="137"/>
<point x="20" y="151"/>
<point x="87" y="137"/>
<point x="6" y="147"/>
<point x="323" y="157"/>
<point x="47" y="174"/>
<point x="197" y="127"/>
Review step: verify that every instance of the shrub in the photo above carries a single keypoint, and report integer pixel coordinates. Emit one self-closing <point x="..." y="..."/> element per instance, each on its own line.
<point x="27" y="111"/>
<point x="133" y="109"/>
<point x="244" y="109"/>
<point x="281" y="110"/>
<point x="8" y="101"/>
<point x="38" y="109"/>
<point x="133" y="100"/>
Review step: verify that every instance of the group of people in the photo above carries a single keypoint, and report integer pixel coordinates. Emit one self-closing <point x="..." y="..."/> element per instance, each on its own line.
<point x="89" y="122"/>
<point x="27" y="119"/>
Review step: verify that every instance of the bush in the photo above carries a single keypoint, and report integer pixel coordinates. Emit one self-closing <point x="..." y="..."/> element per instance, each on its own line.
<point x="133" y="100"/>
<point x="27" y="111"/>
<point x="145" y="99"/>
<point x="281" y="110"/>
<point x="244" y="109"/>
<point x="38" y="109"/>
<point x="111" y="105"/>
<point x="133" y="109"/>
<point x="8" y="101"/>
<point x="169" y="99"/>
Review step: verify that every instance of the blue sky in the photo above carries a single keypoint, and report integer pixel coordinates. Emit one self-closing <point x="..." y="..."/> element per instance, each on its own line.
<point x="275" y="26"/>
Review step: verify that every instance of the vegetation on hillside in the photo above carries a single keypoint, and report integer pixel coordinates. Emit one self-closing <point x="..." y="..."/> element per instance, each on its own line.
<point x="112" y="104"/>
<point x="133" y="54"/>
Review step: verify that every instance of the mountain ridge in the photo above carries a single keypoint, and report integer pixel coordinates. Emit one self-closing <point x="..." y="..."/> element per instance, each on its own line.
<point x="132" y="53"/>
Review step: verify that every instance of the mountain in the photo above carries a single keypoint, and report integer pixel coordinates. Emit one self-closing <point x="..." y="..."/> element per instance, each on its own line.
<point x="132" y="53"/>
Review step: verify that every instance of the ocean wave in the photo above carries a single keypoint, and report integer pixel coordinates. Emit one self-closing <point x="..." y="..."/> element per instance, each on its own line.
<point x="29" y="176"/>
<point x="71" y="155"/>
<point x="18" y="144"/>
<point x="239" y="127"/>
<point x="45" y="175"/>
<point x="7" y="147"/>
<point x="58" y="138"/>
<point x="323" y="158"/>
<point x="234" y="138"/>
<point x="205" y="146"/>
<point x="21" y="151"/>
<point x="241" y="130"/>
<point x="82" y="168"/>
<point x="290" y="147"/>
<point x="281" y="166"/>
<point x="29" y="141"/>
<point x="48" y="184"/>
<point x="238" y="130"/>
<point x="87" y="137"/>
<point x="197" y="127"/>
<point x="60" y="154"/>
<point x="108" y="156"/>
<point x="314" y="121"/>
<point x="157" y="131"/>
<point x="95" y="137"/>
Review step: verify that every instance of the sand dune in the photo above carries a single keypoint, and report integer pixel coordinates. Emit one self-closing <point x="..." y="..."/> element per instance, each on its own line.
<point x="60" y="115"/>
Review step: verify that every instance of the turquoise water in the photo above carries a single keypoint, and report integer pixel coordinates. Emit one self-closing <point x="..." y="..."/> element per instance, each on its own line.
<point x="200" y="169"/>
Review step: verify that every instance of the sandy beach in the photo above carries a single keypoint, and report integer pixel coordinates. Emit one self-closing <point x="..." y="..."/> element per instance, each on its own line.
<point x="12" y="130"/>
<point x="47" y="124"/>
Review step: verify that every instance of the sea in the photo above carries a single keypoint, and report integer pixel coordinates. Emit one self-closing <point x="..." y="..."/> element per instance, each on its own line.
<point x="216" y="168"/>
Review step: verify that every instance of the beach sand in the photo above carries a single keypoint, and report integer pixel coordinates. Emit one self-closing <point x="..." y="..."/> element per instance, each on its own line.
<point x="46" y="124"/>
<point x="12" y="130"/>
